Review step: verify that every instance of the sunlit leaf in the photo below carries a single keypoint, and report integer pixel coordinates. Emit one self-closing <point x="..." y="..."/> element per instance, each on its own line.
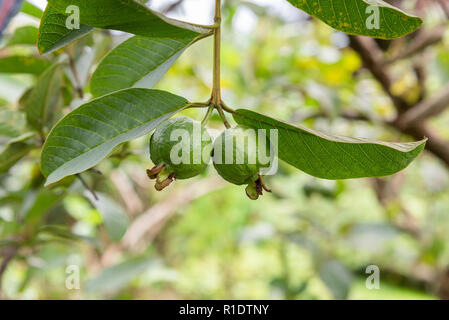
<point x="53" y="33"/>
<point x="22" y="64"/>
<point x="374" y="18"/>
<point x="40" y="105"/>
<point x="32" y="10"/>
<point x="89" y="133"/>
<point x="333" y="157"/>
<point x="130" y="16"/>
<point x="23" y="35"/>
<point x="138" y="62"/>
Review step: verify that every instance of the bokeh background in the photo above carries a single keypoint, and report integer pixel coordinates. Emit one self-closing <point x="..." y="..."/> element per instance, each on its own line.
<point x="203" y="238"/>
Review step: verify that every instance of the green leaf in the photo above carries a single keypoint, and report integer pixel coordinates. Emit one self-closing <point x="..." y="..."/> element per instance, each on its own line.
<point x="333" y="157"/>
<point x="12" y="123"/>
<point x="129" y="16"/>
<point x="14" y="151"/>
<point x="53" y="33"/>
<point x="41" y="203"/>
<point x="115" y="218"/>
<point x="31" y="10"/>
<point x="137" y="62"/>
<point x="24" y="35"/>
<point x="118" y="276"/>
<point x="337" y="278"/>
<point x="22" y="64"/>
<point x="89" y="133"/>
<point x="356" y="17"/>
<point x="40" y="105"/>
<point x="47" y="233"/>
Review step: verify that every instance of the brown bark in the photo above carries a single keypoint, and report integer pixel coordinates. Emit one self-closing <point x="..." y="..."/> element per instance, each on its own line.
<point x="373" y="59"/>
<point x="8" y="253"/>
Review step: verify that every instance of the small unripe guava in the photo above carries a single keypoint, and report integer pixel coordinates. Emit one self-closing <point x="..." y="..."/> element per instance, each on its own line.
<point x="180" y="149"/>
<point x="236" y="159"/>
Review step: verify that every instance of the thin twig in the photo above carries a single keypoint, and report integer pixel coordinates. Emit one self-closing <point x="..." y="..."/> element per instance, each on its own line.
<point x="427" y="108"/>
<point x="198" y="105"/>
<point x="223" y="116"/>
<point x="216" y="88"/>
<point x="424" y="40"/>
<point x="208" y="114"/>
<point x="374" y="61"/>
<point x="226" y="108"/>
<point x="78" y="85"/>
<point x="87" y="186"/>
<point x="94" y="170"/>
<point x="172" y="6"/>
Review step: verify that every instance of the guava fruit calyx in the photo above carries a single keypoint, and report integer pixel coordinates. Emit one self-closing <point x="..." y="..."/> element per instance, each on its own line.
<point x="255" y="188"/>
<point x="163" y="179"/>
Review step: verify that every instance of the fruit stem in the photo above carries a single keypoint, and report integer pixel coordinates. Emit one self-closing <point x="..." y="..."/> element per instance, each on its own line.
<point x="216" y="89"/>
<point x="226" y="108"/>
<point x="198" y="105"/>
<point x="208" y="114"/>
<point x="223" y="116"/>
<point x="215" y="99"/>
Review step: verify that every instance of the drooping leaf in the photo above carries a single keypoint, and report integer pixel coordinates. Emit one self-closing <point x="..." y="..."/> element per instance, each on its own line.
<point x="22" y="64"/>
<point x="32" y="10"/>
<point x="15" y="150"/>
<point x="117" y="276"/>
<point x="53" y="33"/>
<point x="114" y="217"/>
<point x="138" y="62"/>
<point x="9" y="228"/>
<point x="40" y="105"/>
<point x="12" y="123"/>
<point x="337" y="278"/>
<point x="41" y="203"/>
<point x="24" y="35"/>
<point x="130" y="16"/>
<point x="89" y="133"/>
<point x="333" y="157"/>
<point x="373" y="18"/>
<point x="49" y="232"/>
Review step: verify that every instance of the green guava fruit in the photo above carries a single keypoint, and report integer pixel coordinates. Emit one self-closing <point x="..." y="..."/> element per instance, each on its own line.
<point x="236" y="159"/>
<point x="180" y="148"/>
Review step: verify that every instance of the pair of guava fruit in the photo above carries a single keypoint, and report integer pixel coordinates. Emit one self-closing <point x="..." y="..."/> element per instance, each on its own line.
<point x="181" y="148"/>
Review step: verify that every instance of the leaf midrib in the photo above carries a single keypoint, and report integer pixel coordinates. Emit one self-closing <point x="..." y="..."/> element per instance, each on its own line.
<point x="286" y="126"/>
<point x="105" y="140"/>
